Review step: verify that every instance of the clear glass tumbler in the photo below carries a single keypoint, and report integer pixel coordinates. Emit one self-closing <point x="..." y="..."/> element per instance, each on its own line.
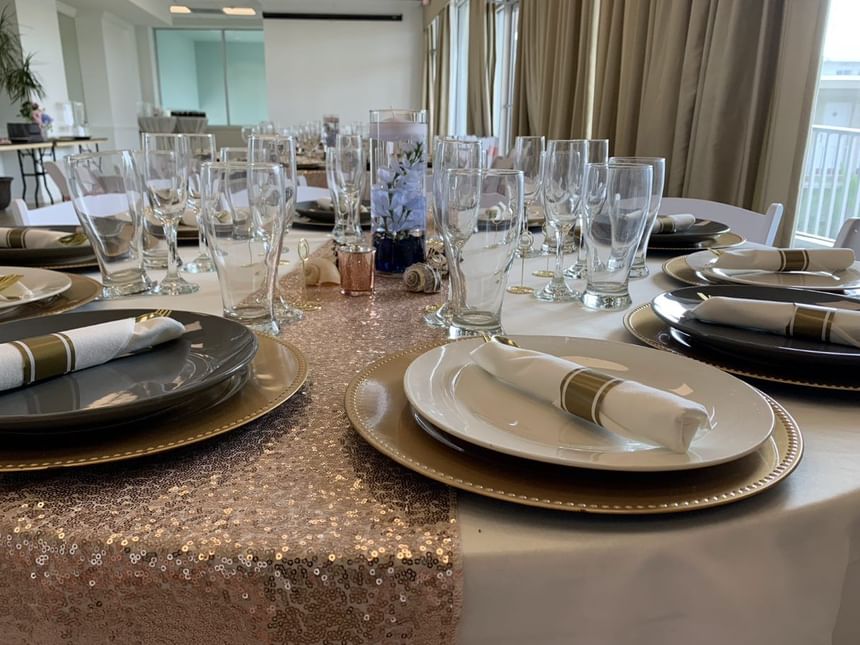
<point x="481" y="252"/>
<point x="616" y="200"/>
<point x="243" y="206"/>
<point x="107" y="194"/>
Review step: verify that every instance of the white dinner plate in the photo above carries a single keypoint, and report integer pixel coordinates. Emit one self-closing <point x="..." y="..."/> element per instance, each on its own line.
<point x="41" y="282"/>
<point x="819" y="280"/>
<point x="456" y="395"/>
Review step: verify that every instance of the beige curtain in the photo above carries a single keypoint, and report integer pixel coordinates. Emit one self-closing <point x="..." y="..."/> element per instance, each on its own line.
<point x="437" y="72"/>
<point x="705" y="84"/>
<point x="554" y="78"/>
<point x="482" y="63"/>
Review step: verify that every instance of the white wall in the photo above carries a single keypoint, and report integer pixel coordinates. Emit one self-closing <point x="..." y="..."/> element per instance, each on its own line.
<point x="39" y="28"/>
<point x="316" y="67"/>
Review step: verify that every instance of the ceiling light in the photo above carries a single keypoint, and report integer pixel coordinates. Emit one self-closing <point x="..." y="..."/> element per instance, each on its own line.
<point x="178" y="8"/>
<point x="239" y="11"/>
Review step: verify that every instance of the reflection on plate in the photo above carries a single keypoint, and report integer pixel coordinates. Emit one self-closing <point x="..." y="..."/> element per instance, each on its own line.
<point x="312" y="211"/>
<point x="453" y="393"/>
<point x="674" y="306"/>
<point x="41" y="284"/>
<point x="722" y="241"/>
<point x="648" y="328"/>
<point x="819" y="280"/>
<point x="702" y="229"/>
<point x="212" y="350"/>
<point x="377" y="407"/>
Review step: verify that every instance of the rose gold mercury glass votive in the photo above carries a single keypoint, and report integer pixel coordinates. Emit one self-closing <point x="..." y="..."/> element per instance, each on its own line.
<point x="355" y="264"/>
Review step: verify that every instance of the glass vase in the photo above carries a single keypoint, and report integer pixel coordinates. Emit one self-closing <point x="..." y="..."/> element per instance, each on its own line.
<point x="398" y="163"/>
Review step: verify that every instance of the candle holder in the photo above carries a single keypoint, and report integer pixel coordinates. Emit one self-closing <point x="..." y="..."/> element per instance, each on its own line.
<point x="356" y="266"/>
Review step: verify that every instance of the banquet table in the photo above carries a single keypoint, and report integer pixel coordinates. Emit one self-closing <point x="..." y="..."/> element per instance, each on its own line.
<point x="781" y="567"/>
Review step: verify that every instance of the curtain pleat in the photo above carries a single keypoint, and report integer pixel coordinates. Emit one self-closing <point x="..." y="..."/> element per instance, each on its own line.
<point x="481" y="62"/>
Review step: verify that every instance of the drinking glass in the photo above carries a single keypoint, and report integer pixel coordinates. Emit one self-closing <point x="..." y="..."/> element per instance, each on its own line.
<point x="233" y="154"/>
<point x="598" y="152"/>
<point x="107" y="194"/>
<point x="449" y="153"/>
<point x="350" y="171"/>
<point x="481" y="251"/>
<point x="528" y="155"/>
<point x="339" y="231"/>
<point x="243" y="214"/>
<point x="658" y="164"/>
<point x="616" y="201"/>
<point x="201" y="148"/>
<point x="273" y="148"/>
<point x="562" y="195"/>
<point x="165" y="173"/>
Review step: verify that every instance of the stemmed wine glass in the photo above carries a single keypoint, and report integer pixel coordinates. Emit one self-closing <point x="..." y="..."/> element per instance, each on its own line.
<point x="528" y="157"/>
<point x="658" y="165"/>
<point x="350" y="173"/>
<point x="450" y="153"/>
<point x="598" y="153"/>
<point x="165" y="173"/>
<point x="201" y="149"/>
<point x="275" y="148"/>
<point x="562" y="186"/>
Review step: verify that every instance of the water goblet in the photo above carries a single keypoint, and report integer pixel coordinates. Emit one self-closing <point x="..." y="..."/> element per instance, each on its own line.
<point x="350" y="172"/>
<point x="201" y="149"/>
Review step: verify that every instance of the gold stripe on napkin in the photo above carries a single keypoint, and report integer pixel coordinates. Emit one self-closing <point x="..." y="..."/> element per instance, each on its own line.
<point x="583" y="391"/>
<point x="810" y="323"/>
<point x="15" y="238"/>
<point x="45" y="356"/>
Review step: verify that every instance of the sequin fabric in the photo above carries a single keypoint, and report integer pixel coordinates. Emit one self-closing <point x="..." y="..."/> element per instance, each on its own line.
<point x="290" y="530"/>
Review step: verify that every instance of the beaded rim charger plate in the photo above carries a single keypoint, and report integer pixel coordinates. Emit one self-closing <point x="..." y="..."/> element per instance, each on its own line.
<point x="649" y="329"/>
<point x="82" y="291"/>
<point x="376" y="405"/>
<point x="277" y="372"/>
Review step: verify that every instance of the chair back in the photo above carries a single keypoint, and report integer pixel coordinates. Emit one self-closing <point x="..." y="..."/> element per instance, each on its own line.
<point x="55" y="172"/>
<point x="849" y="235"/>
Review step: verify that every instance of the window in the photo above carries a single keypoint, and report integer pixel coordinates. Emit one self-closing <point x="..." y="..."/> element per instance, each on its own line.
<point x="507" y="16"/>
<point x="217" y="71"/>
<point x="459" y="67"/>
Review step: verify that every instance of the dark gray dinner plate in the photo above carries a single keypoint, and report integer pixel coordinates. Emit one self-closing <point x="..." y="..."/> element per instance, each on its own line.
<point x="311" y="211"/>
<point x="127" y="388"/>
<point x="673" y="308"/>
<point x="45" y="257"/>
<point x="702" y="229"/>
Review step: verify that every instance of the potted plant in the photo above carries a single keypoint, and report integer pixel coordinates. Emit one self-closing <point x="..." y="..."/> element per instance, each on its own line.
<point x="18" y="80"/>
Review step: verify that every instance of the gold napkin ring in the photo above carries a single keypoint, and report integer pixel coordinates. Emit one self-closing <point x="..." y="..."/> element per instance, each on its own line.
<point x="810" y="323"/>
<point x="45" y="356"/>
<point x="583" y="391"/>
<point x="793" y="260"/>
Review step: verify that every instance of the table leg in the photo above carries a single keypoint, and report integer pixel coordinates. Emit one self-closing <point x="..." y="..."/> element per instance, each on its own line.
<point x="44" y="175"/>
<point x="23" y="176"/>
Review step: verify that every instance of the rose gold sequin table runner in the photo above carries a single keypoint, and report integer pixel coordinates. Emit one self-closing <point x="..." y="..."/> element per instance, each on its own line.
<point x="291" y="530"/>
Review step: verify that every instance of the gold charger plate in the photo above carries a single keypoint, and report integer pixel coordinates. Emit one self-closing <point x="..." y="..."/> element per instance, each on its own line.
<point x="277" y="372"/>
<point x="379" y="411"/>
<point x="678" y="269"/>
<point x="649" y="329"/>
<point x="82" y="291"/>
<point x="721" y="241"/>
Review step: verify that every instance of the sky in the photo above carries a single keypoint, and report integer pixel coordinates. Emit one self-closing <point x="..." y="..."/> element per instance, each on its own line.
<point x="841" y="41"/>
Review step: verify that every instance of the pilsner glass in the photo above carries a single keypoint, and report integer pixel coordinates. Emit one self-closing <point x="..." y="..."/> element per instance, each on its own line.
<point x="616" y="200"/>
<point x="107" y="194"/>
<point x="562" y="195"/>
<point x="350" y="173"/>
<point x="242" y="213"/>
<point x="449" y="153"/>
<point x="338" y="205"/>
<point x="165" y="173"/>
<point x="273" y="148"/>
<point x="658" y="164"/>
<point x="598" y="152"/>
<point x="481" y="250"/>
<point x="201" y="148"/>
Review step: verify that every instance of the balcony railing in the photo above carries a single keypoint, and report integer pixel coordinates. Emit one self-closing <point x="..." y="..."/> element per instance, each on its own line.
<point x="830" y="186"/>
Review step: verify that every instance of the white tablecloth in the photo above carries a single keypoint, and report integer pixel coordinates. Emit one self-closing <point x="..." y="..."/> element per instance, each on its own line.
<point x="783" y="567"/>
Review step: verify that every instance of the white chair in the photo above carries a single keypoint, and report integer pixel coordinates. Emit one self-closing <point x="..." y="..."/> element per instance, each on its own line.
<point x="61" y="213"/>
<point x="755" y="227"/>
<point x="849" y="235"/>
<point x="55" y="172"/>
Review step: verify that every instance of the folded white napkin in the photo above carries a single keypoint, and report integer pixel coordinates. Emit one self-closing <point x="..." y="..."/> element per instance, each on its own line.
<point x="628" y="408"/>
<point x="324" y="203"/>
<point x="785" y="259"/>
<point x="14" y="291"/>
<point x="673" y="223"/>
<point x="38" y="238"/>
<point x="825" y="324"/>
<point x="189" y="218"/>
<point x="33" y="359"/>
